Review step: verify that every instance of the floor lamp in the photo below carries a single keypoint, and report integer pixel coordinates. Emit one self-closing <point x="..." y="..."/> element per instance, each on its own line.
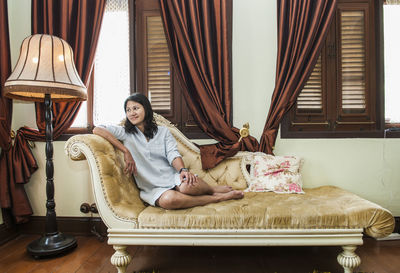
<point x="46" y="72"/>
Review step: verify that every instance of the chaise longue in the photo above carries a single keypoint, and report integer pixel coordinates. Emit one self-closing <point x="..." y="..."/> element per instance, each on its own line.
<point x="323" y="216"/>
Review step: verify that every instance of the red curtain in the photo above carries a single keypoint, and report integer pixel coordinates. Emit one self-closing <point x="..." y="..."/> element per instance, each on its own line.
<point x="198" y="35"/>
<point x="5" y="70"/>
<point x="302" y="29"/>
<point x="12" y="180"/>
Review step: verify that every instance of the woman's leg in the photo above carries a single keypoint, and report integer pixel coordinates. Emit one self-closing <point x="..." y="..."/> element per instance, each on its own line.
<point x="172" y="199"/>
<point x="200" y="187"/>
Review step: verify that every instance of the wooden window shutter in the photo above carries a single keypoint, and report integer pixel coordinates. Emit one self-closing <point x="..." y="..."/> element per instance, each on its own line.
<point x="310" y="110"/>
<point x="158" y="65"/>
<point x="356" y="108"/>
<point x="353" y="61"/>
<point x="310" y="98"/>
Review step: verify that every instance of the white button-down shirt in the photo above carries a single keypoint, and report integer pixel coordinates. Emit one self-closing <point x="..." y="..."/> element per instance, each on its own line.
<point x="153" y="159"/>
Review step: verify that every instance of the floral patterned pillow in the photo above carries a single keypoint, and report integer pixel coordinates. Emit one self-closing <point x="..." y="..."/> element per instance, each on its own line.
<point x="279" y="174"/>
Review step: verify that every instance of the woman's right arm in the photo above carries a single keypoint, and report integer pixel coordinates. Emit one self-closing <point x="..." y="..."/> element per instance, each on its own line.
<point x="130" y="166"/>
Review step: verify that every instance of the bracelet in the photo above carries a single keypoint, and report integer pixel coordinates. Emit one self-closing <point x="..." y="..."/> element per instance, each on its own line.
<point x="183" y="170"/>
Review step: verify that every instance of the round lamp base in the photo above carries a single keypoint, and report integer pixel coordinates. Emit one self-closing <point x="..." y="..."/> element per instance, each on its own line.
<point x="49" y="245"/>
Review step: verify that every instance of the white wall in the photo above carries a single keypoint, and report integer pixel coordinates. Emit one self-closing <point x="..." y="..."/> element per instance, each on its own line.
<point x="367" y="167"/>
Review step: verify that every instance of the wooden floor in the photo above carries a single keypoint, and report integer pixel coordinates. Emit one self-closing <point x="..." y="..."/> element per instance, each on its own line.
<point x="91" y="255"/>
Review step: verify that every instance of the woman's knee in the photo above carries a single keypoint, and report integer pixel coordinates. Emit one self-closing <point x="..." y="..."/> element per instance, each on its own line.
<point x="199" y="188"/>
<point x="169" y="200"/>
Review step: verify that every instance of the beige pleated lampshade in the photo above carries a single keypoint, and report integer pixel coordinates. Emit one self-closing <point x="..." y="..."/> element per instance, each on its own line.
<point x="45" y="66"/>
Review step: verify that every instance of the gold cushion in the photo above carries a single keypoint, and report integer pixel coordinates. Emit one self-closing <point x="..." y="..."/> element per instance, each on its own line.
<point x="322" y="208"/>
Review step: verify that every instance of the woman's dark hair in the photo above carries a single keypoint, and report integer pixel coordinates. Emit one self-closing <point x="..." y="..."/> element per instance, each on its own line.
<point x="150" y="126"/>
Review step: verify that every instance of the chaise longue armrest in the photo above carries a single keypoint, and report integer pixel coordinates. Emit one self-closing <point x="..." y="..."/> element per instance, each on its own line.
<point x="115" y="192"/>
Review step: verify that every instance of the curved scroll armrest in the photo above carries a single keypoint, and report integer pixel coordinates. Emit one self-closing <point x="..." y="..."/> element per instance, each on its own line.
<point x="116" y="194"/>
<point x="73" y="147"/>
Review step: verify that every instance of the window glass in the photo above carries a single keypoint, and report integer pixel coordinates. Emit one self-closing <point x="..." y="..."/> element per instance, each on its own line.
<point x="391" y="15"/>
<point x="111" y="81"/>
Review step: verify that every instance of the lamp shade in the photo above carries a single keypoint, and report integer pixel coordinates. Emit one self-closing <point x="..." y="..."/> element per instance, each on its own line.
<point x="45" y="66"/>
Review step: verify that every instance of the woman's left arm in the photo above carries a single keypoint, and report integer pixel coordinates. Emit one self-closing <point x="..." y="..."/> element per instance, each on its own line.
<point x="185" y="175"/>
<point x="175" y="159"/>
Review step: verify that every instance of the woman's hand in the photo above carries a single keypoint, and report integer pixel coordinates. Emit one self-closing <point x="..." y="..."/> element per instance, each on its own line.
<point x="188" y="177"/>
<point x="130" y="165"/>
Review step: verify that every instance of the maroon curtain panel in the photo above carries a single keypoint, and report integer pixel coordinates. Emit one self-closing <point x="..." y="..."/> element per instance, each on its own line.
<point x="5" y="70"/>
<point x="200" y="46"/>
<point x="302" y="29"/>
<point x="12" y="192"/>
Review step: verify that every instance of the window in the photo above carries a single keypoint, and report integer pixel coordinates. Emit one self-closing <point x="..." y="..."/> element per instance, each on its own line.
<point x="156" y="77"/>
<point x="133" y="56"/>
<point x="391" y="15"/>
<point x="343" y="95"/>
<point x="110" y="82"/>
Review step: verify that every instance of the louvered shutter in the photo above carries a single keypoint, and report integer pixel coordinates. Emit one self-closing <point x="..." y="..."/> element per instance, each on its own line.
<point x="310" y="98"/>
<point x="158" y="65"/>
<point x="356" y="101"/>
<point x="309" y="113"/>
<point x="353" y="61"/>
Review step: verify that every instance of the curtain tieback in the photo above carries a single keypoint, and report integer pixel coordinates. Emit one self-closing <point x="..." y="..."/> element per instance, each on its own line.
<point x="30" y="143"/>
<point x="244" y="132"/>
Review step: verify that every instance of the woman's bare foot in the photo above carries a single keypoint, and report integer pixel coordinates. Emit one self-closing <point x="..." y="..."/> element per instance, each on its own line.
<point x="222" y="189"/>
<point x="229" y="195"/>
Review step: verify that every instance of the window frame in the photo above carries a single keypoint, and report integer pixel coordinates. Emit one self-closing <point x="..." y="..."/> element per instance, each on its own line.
<point x="377" y="86"/>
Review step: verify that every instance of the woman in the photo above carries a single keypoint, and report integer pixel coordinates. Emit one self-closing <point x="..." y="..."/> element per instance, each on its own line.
<point x="151" y="155"/>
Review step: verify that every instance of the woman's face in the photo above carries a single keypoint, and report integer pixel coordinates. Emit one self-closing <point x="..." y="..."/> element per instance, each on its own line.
<point x="135" y="113"/>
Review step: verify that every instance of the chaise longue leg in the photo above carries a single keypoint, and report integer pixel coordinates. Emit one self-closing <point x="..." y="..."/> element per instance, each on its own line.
<point x="121" y="258"/>
<point x="349" y="259"/>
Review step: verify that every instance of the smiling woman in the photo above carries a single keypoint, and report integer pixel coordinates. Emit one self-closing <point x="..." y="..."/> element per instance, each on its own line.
<point x="151" y="155"/>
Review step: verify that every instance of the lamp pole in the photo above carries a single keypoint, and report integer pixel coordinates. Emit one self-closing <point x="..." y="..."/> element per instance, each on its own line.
<point x="52" y="242"/>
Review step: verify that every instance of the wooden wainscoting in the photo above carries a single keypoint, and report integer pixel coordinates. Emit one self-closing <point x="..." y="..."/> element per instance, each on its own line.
<point x="77" y="226"/>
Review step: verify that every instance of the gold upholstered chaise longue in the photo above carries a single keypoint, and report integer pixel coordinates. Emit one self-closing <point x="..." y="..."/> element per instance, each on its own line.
<point x="323" y="216"/>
